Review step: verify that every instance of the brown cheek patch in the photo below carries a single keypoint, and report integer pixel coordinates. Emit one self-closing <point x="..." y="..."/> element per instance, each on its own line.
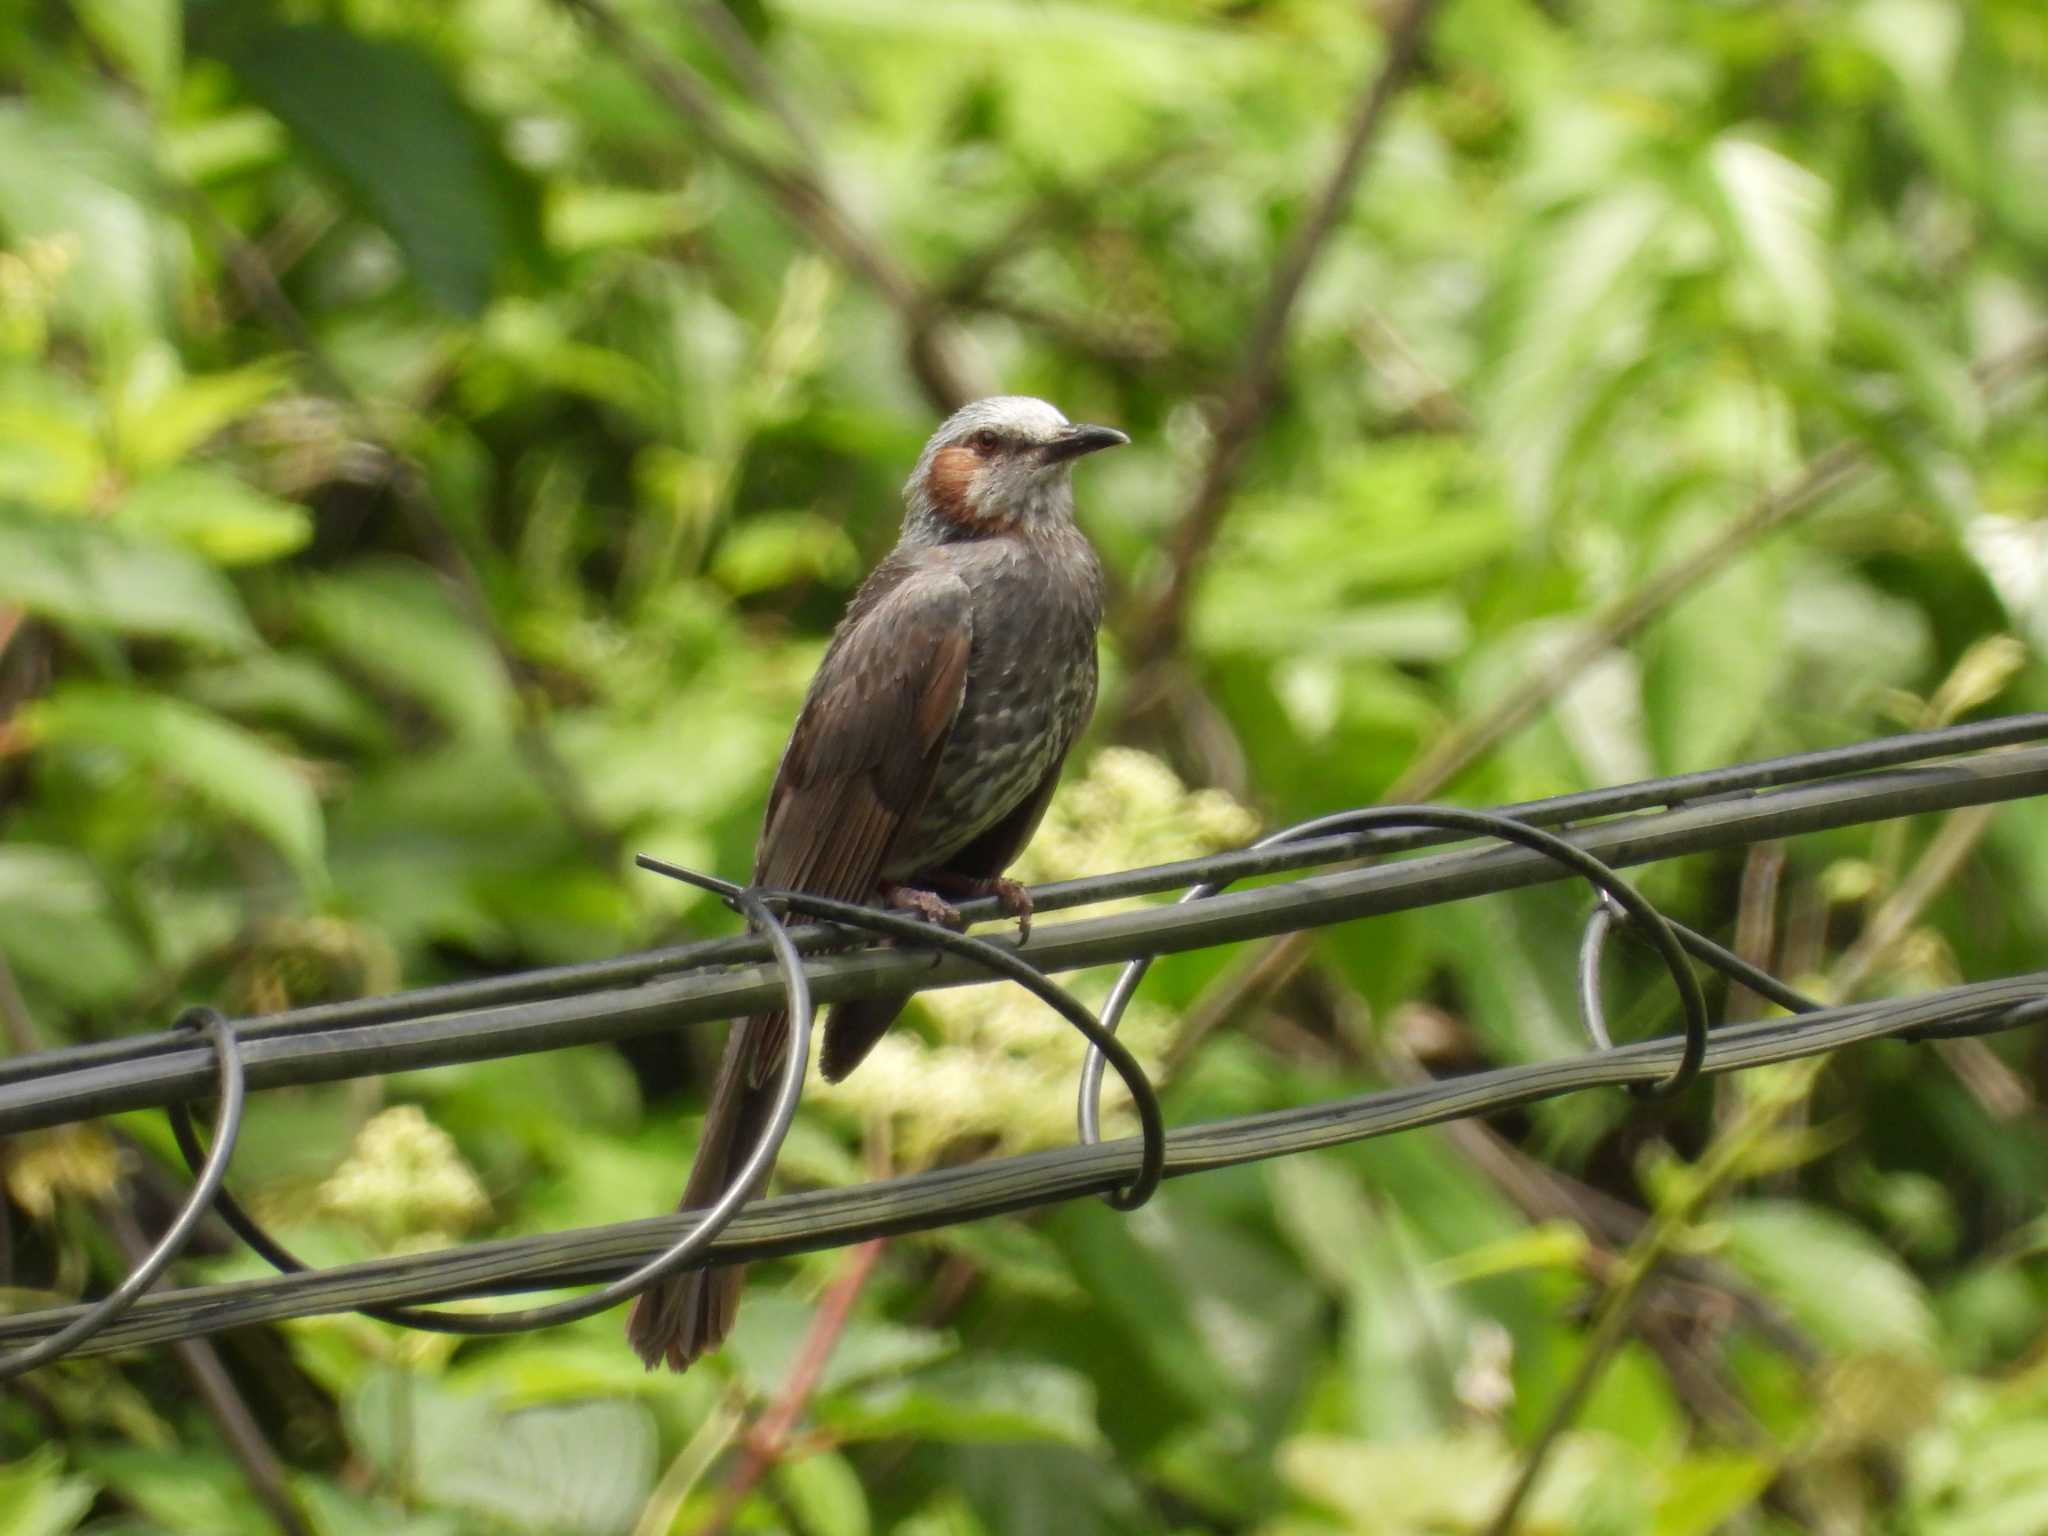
<point x="952" y="472"/>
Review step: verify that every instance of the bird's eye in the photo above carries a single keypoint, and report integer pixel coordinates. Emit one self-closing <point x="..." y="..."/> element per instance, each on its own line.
<point x="984" y="441"/>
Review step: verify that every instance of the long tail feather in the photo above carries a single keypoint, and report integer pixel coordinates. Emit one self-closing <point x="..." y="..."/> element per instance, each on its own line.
<point x="688" y="1315"/>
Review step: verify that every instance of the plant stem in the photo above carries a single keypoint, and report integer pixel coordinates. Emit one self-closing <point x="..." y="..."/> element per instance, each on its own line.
<point x="770" y="1438"/>
<point x="1249" y="399"/>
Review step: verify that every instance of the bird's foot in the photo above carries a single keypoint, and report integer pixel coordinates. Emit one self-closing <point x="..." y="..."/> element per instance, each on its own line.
<point x="1010" y="895"/>
<point x="929" y="905"/>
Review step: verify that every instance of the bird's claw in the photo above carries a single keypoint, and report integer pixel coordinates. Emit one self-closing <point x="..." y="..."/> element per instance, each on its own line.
<point x="929" y="905"/>
<point x="1015" y="900"/>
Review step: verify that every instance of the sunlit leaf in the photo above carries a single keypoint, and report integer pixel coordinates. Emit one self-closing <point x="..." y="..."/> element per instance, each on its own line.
<point x="78" y="573"/>
<point x="1836" y="1279"/>
<point x="144" y="35"/>
<point x="80" y="178"/>
<point x="825" y="1492"/>
<point x="38" y="1499"/>
<point x="1702" y="1494"/>
<point x="216" y="514"/>
<point x="989" y="1399"/>
<point x="574" y="1468"/>
<point x="50" y="449"/>
<point x="161" y="428"/>
<point x="1779" y="210"/>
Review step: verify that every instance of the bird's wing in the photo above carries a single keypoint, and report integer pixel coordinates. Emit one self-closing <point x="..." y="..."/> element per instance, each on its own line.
<point x="866" y="747"/>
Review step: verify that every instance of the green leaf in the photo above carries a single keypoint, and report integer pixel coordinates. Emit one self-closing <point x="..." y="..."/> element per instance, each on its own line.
<point x="392" y="127"/>
<point x="1701" y="1494"/>
<point x="559" y="1468"/>
<point x="586" y="218"/>
<point x="1015" y="1258"/>
<point x="1779" y="213"/>
<point x="1840" y="1282"/>
<point x="770" y="1334"/>
<point x="37" y="1499"/>
<point x="775" y="549"/>
<point x="292" y="690"/>
<point x="181" y="1490"/>
<point x="1715" y="658"/>
<point x="78" y="573"/>
<point x="144" y="35"/>
<point x="60" y="929"/>
<point x="159" y="429"/>
<point x="397" y="623"/>
<point x="825" y="1494"/>
<point x="234" y="770"/>
<point x="993" y="1397"/>
<point x="1420" y="1486"/>
<point x="216" y="514"/>
<point x="1027" y="1490"/>
<point x="336" y="1512"/>
<point x="82" y="177"/>
<point x="50" y="450"/>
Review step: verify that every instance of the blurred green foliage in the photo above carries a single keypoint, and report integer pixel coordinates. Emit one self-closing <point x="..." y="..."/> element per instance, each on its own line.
<point x="430" y="462"/>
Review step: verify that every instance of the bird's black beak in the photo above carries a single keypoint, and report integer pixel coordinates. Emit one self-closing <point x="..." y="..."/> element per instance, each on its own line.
<point x="1077" y="440"/>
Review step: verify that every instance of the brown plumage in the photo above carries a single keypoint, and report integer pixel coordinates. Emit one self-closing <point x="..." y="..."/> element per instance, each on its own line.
<point x="924" y="756"/>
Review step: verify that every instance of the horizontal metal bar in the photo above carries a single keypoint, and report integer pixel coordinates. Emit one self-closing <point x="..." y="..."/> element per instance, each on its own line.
<point x="941" y="1197"/>
<point x="325" y="1055"/>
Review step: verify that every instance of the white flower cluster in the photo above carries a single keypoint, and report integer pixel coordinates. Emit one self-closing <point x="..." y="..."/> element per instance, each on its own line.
<point x="996" y="1066"/>
<point x="1130" y="809"/>
<point x="404" y="1181"/>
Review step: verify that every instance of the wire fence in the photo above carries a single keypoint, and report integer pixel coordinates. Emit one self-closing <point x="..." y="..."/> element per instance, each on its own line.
<point x="797" y="966"/>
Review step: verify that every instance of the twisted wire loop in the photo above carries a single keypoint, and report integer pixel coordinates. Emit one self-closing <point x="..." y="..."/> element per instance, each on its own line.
<point x="206" y="1188"/>
<point x="685" y="1251"/>
<point x="1661" y="932"/>
<point x="1010" y="966"/>
<point x="1608" y="915"/>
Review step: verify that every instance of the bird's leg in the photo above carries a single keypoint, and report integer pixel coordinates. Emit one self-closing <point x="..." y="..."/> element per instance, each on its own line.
<point x="1010" y="895"/>
<point x="929" y="905"/>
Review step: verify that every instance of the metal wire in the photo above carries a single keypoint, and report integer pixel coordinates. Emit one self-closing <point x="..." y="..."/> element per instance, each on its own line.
<point x="818" y="1219"/>
<point x="1004" y="963"/>
<point x="227" y="1128"/>
<point x="57" y="1087"/>
<point x="573" y="1004"/>
<point x="687" y="1249"/>
<point x="1704" y="788"/>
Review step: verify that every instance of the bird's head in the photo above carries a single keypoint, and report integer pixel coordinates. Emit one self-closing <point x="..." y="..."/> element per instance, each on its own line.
<point x="998" y="465"/>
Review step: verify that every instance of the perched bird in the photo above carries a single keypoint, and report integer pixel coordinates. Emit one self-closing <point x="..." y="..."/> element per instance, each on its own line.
<point x="922" y="760"/>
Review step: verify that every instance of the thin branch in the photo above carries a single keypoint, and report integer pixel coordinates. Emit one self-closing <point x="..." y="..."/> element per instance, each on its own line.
<point x="1459" y="749"/>
<point x="770" y="1439"/>
<point x="260" y="288"/>
<point x="1722" y="1162"/>
<point x="1845" y="464"/>
<point x="717" y="22"/>
<point x="218" y="1394"/>
<point x="1756" y="923"/>
<point x="1727" y="1155"/>
<point x="1244" y="409"/>
<point x="1941" y="861"/>
<point x="693" y="1461"/>
<point x="15" y="1019"/>
<point x="935" y="354"/>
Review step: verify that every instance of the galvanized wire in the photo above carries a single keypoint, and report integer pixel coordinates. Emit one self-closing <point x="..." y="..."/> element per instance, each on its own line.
<point x="727" y="981"/>
<point x="569" y="1005"/>
<point x="833" y="1218"/>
